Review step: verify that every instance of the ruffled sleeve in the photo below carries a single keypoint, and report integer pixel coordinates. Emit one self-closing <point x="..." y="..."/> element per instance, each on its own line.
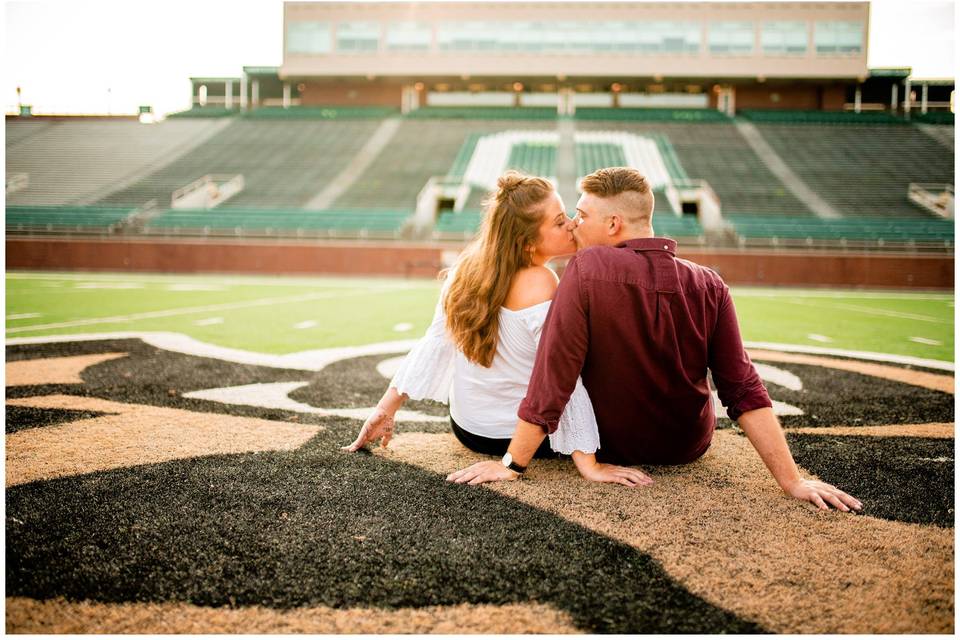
<point x="578" y="430"/>
<point x="427" y="371"/>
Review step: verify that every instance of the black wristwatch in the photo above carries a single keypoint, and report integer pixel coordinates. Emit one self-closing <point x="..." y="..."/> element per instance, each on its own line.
<point x="510" y="464"/>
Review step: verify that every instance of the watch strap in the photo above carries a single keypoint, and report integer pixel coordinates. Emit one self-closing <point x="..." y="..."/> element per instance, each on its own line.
<point x="510" y="464"/>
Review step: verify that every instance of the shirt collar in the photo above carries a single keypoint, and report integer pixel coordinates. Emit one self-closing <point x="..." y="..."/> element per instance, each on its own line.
<point x="650" y="244"/>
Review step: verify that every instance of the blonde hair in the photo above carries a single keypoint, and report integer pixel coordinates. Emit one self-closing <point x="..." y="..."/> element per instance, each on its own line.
<point x="627" y="182"/>
<point x="484" y="273"/>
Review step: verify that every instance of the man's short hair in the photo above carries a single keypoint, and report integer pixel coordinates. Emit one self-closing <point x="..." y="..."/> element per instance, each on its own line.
<point x="628" y="186"/>
<point x="612" y="181"/>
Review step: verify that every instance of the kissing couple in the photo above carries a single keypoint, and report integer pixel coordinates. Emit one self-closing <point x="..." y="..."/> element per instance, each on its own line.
<point x="607" y="365"/>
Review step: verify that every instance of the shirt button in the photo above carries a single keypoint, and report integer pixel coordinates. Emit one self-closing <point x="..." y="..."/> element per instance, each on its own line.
<point x="664" y="246"/>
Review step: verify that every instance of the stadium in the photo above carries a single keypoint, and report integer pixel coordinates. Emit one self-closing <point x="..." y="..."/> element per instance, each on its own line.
<point x="202" y="308"/>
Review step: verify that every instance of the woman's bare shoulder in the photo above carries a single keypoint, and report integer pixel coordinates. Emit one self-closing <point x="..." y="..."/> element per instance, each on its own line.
<point x="531" y="286"/>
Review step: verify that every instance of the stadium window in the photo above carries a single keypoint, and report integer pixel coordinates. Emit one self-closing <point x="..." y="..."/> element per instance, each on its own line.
<point x="667" y="37"/>
<point x="360" y="37"/>
<point x="409" y="36"/>
<point x="784" y="38"/>
<point x="731" y="37"/>
<point x="838" y="37"/>
<point x="308" y="37"/>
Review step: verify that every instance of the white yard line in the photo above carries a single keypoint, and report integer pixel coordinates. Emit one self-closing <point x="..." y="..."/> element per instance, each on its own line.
<point x="919" y="340"/>
<point x="852" y="295"/>
<point x="260" y="302"/>
<point x="816" y="337"/>
<point x="317" y="359"/>
<point x="23" y="316"/>
<point x="872" y="311"/>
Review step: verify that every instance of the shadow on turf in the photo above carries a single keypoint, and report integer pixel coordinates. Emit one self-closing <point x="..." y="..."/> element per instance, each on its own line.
<point x="320" y="527"/>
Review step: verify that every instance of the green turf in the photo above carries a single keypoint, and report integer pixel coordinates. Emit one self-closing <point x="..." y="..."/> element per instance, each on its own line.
<point x="354" y="311"/>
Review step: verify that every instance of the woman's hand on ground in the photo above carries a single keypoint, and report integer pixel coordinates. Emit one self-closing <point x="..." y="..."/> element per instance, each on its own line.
<point x="379" y="426"/>
<point x="821" y="494"/>
<point x="489" y="471"/>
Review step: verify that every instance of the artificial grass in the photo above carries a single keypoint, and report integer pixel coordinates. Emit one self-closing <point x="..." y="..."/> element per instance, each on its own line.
<point x="898" y="478"/>
<point x="314" y="527"/>
<point x="362" y="311"/>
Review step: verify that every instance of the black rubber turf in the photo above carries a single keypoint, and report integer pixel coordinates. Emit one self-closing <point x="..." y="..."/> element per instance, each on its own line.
<point x="319" y="527"/>
<point x="21" y="418"/>
<point x="831" y="397"/>
<point x="897" y="478"/>
<point x="315" y="526"/>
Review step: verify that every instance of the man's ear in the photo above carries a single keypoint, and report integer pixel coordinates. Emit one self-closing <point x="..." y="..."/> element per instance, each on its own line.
<point x="613" y="229"/>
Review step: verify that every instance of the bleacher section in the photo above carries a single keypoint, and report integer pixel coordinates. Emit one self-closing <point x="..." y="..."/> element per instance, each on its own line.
<point x="90" y="176"/>
<point x="860" y="170"/>
<point x="764" y="230"/>
<point x="534" y="159"/>
<point x="18" y="130"/>
<point x="205" y="112"/>
<point x="73" y="162"/>
<point x="463" y="224"/>
<point x="420" y="150"/>
<point x="67" y="219"/>
<point x="278" y="222"/>
<point x="284" y="163"/>
<point x="717" y="153"/>
<point x="786" y="116"/>
<point x="597" y="155"/>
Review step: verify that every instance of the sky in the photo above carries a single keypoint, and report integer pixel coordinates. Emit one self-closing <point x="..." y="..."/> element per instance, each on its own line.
<point x="105" y="56"/>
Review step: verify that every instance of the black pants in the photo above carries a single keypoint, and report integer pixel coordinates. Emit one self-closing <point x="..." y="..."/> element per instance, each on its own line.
<point x="495" y="446"/>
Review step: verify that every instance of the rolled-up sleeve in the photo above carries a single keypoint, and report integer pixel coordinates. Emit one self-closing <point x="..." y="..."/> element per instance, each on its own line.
<point x="427" y="371"/>
<point x="738" y="383"/>
<point x="560" y="355"/>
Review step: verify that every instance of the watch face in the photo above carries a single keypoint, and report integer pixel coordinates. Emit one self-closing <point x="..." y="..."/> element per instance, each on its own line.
<point x="507" y="459"/>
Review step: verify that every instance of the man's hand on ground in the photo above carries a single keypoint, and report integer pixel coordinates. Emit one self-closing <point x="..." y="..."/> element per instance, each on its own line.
<point x="489" y="471"/>
<point x="822" y="494"/>
<point x="379" y="426"/>
<point x="595" y="471"/>
<point x="626" y="476"/>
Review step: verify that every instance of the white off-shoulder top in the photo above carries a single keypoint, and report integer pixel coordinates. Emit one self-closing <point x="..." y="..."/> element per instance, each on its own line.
<point x="484" y="400"/>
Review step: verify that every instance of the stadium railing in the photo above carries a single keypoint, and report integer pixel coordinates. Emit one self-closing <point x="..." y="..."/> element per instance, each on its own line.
<point x="900" y="234"/>
<point x="650" y="114"/>
<point x="787" y="116"/>
<point x="485" y="113"/>
<point x="320" y="112"/>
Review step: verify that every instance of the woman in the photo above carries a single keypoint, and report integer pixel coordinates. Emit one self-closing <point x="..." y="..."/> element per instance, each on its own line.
<point x="478" y="353"/>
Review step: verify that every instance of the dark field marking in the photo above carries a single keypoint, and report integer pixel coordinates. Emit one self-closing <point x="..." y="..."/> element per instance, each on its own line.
<point x="318" y="527"/>
<point x="897" y="478"/>
<point x="22" y="418"/>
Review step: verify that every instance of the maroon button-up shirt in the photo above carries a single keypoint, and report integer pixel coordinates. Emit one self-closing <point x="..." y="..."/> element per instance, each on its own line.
<point x="642" y="327"/>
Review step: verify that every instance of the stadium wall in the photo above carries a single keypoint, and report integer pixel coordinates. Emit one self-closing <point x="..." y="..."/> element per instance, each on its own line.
<point x="768" y="268"/>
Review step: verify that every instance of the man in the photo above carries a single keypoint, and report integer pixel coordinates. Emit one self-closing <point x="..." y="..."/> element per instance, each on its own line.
<point x="642" y="327"/>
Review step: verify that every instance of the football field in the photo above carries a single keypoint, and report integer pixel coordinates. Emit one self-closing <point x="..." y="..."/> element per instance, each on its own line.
<point x="281" y="315"/>
<point x="173" y="465"/>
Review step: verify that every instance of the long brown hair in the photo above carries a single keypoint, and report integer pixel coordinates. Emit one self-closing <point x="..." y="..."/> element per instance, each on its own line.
<point x="486" y="268"/>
